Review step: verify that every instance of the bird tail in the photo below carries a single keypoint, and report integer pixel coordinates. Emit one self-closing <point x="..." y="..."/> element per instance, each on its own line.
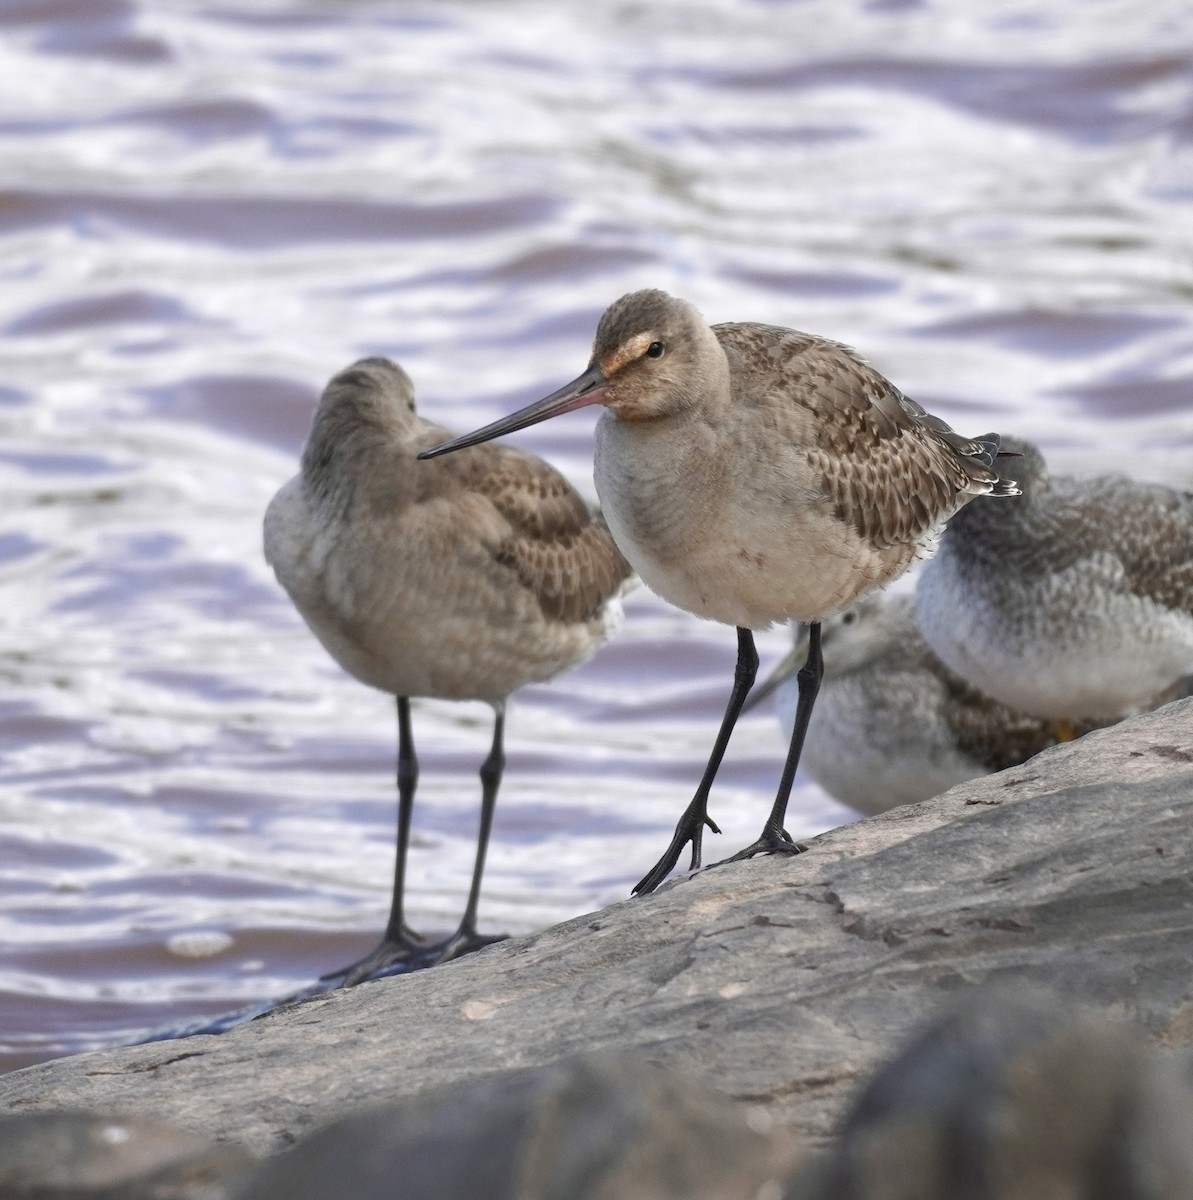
<point x="992" y="447"/>
<point x="986" y="451"/>
<point x="978" y="454"/>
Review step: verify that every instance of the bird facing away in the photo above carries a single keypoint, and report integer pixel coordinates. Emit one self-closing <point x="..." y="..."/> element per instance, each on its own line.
<point x="893" y="725"/>
<point x="1074" y="600"/>
<point x="754" y="474"/>
<point x="463" y="579"/>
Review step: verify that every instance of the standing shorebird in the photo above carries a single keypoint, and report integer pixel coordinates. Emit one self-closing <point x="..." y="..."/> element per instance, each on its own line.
<point x="1075" y="600"/>
<point x="462" y="580"/>
<point x="893" y="725"/>
<point x="754" y="474"/>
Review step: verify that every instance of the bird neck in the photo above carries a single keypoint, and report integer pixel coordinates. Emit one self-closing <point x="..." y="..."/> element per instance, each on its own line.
<point x="343" y="447"/>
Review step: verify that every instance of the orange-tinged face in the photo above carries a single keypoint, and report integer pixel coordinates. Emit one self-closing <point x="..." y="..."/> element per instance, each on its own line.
<point x="640" y="385"/>
<point x="630" y="351"/>
<point x="633" y="372"/>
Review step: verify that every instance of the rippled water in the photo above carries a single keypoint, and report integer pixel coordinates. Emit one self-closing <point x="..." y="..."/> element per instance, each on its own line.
<point x="207" y="208"/>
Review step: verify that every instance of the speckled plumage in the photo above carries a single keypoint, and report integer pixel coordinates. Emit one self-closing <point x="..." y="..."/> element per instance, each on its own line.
<point x="893" y="725"/>
<point x="1075" y="600"/>
<point x="767" y="474"/>
<point x="754" y="474"/>
<point x="463" y="579"/>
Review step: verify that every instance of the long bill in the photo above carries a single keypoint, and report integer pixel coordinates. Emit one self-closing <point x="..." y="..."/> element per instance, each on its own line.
<point x="588" y="388"/>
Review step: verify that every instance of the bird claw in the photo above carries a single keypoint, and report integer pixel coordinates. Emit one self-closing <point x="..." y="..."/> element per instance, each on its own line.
<point x="389" y="957"/>
<point x="655" y="875"/>
<point x="769" y="842"/>
<point x="689" y="831"/>
<point x="463" y="941"/>
<point x="407" y="956"/>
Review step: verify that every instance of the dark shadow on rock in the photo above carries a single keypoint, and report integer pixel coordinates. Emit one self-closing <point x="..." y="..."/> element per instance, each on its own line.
<point x="223" y="1022"/>
<point x="76" y="1155"/>
<point x="1009" y="1096"/>
<point x="603" y="1127"/>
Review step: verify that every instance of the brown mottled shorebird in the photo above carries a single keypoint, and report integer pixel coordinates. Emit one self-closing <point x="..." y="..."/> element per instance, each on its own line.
<point x="754" y="474"/>
<point x="1075" y="600"/>
<point x="464" y="580"/>
<point x="893" y="725"/>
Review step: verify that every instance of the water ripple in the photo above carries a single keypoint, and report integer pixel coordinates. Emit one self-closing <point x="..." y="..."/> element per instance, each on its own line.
<point x="208" y="207"/>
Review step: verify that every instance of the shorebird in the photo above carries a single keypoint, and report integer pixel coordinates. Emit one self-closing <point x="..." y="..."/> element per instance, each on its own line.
<point x="464" y="580"/>
<point x="1075" y="600"/>
<point x="893" y="725"/>
<point x="753" y="474"/>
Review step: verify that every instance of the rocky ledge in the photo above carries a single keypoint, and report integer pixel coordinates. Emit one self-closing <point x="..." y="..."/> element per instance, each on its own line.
<point x="780" y="985"/>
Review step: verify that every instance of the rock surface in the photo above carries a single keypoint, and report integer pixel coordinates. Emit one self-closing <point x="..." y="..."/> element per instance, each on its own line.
<point x="1010" y="1095"/>
<point x="61" y="1155"/>
<point x="601" y="1127"/>
<point x="781" y="982"/>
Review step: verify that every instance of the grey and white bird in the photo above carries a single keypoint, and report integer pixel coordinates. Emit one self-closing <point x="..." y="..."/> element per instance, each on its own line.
<point x="1073" y="600"/>
<point x="464" y="579"/>
<point x="753" y="474"/>
<point x="893" y="725"/>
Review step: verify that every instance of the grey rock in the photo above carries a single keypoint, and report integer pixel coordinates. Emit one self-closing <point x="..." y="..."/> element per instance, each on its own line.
<point x="1010" y="1096"/>
<point x="595" y="1128"/>
<point x="67" y="1155"/>
<point x="779" y="982"/>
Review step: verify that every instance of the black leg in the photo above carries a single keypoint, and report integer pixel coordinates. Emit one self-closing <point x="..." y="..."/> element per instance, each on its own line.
<point x="774" y="837"/>
<point x="401" y="950"/>
<point x="399" y="941"/>
<point x="396" y="930"/>
<point x="691" y="825"/>
<point x="466" y="938"/>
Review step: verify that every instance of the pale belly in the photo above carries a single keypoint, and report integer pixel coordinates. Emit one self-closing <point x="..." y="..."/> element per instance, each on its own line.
<point x="1059" y="647"/>
<point x="875" y="756"/>
<point x="412" y="625"/>
<point x="749" y="565"/>
<point x="754" y="586"/>
<point x="726" y="536"/>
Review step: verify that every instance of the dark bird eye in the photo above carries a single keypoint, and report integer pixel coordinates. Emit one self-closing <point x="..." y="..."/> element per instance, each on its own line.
<point x="655" y="350"/>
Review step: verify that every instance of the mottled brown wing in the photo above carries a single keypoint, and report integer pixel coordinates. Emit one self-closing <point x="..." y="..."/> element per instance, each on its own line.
<point x="892" y="471"/>
<point x="1171" y="586"/>
<point x="1152" y="530"/>
<point x="989" y="732"/>
<point x="559" y="549"/>
<point x="995" y="735"/>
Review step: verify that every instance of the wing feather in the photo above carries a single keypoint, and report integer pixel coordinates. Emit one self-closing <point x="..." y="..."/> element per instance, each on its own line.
<point x="891" y="470"/>
<point x="560" y="550"/>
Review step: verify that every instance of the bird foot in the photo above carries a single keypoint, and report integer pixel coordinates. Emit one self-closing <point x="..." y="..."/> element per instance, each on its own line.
<point x="689" y="831"/>
<point x="770" y="841"/>
<point x="463" y="941"/>
<point x="1063" y="729"/>
<point x="431" y="954"/>
<point x="656" y="874"/>
<point x="389" y="957"/>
